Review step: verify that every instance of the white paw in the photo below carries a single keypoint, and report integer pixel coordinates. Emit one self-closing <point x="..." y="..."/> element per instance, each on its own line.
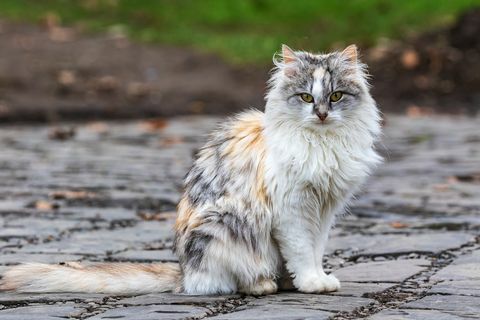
<point x="317" y="283"/>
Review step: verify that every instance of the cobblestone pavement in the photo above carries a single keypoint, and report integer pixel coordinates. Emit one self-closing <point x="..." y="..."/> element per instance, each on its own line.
<point x="408" y="250"/>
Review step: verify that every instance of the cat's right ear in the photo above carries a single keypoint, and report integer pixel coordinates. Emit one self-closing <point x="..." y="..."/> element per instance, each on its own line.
<point x="288" y="54"/>
<point x="289" y="60"/>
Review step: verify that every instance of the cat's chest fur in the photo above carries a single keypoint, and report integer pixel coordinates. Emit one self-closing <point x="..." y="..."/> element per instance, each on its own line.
<point x="317" y="172"/>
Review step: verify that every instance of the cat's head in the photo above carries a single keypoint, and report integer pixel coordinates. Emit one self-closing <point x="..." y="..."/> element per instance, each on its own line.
<point x="318" y="90"/>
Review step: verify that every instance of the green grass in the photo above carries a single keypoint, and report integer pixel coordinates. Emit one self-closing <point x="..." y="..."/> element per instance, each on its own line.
<point x="247" y="30"/>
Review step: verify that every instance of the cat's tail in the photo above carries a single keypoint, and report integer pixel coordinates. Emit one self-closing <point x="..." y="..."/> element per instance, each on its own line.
<point x="112" y="278"/>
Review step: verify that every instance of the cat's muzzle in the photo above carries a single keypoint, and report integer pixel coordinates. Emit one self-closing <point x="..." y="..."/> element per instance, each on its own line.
<point x="321" y="115"/>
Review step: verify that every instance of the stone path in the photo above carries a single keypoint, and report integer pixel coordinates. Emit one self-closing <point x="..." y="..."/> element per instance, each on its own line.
<point x="408" y="250"/>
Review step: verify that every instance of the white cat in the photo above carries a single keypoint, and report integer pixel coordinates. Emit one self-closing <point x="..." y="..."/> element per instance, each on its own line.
<point x="262" y="194"/>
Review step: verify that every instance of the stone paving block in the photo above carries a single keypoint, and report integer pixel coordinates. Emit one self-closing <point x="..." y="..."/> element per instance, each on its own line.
<point x="461" y="271"/>
<point x="88" y="246"/>
<point x="146" y="255"/>
<point x="102" y="241"/>
<point x="458" y="287"/>
<point x="385" y="271"/>
<point x="16" y="258"/>
<point x="9" y="298"/>
<point x="414" y="315"/>
<point x="107" y="214"/>
<point x="170" y="298"/>
<point x="274" y="313"/>
<point x="462" y="306"/>
<point x="389" y="223"/>
<point x="47" y="226"/>
<point x="154" y="312"/>
<point x="396" y="244"/>
<point x="142" y="232"/>
<point x="466" y="267"/>
<point x="356" y="289"/>
<point x="461" y="277"/>
<point x="472" y="257"/>
<point x="322" y="302"/>
<point x="41" y="312"/>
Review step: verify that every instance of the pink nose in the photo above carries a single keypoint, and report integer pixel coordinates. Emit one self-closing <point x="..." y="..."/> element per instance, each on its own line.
<point x="321" y="115"/>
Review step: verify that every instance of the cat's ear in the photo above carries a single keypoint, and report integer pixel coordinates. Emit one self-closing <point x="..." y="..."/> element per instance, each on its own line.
<point x="290" y="60"/>
<point x="351" y="53"/>
<point x="288" y="54"/>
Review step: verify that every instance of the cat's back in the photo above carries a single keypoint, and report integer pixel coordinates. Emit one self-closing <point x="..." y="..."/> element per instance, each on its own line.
<point x="236" y="143"/>
<point x="229" y="169"/>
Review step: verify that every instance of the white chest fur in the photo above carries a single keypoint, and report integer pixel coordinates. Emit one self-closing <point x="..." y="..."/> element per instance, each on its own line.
<point x="316" y="172"/>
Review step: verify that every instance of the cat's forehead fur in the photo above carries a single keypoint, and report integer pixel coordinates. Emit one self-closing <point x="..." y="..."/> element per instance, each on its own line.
<point x="334" y="69"/>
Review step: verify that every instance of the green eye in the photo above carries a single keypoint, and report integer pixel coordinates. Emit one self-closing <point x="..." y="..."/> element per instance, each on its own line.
<point x="336" y="96"/>
<point x="306" y="97"/>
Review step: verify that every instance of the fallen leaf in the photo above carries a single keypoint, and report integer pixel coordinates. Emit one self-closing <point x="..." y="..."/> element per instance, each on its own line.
<point x="441" y="187"/>
<point x="98" y="127"/>
<point x="61" y="133"/>
<point x="414" y="111"/>
<point x="398" y="225"/>
<point x="169" y="141"/>
<point x="43" y="205"/>
<point x="410" y="59"/>
<point x="60" y="34"/>
<point x="157" y="216"/>
<point x="470" y="178"/>
<point x="106" y="84"/>
<point x="197" y="107"/>
<point x="138" y="89"/>
<point x="72" y="195"/>
<point x="66" y="78"/>
<point x="452" y="180"/>
<point x="153" y="125"/>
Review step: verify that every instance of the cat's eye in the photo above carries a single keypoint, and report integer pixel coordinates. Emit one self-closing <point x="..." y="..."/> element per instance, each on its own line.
<point x="336" y="96"/>
<point x="308" y="98"/>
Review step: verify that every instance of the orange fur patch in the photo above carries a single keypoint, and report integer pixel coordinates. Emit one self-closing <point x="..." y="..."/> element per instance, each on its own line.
<point x="248" y="138"/>
<point x="184" y="213"/>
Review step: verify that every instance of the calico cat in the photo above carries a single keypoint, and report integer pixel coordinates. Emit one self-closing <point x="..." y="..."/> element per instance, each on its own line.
<point x="262" y="194"/>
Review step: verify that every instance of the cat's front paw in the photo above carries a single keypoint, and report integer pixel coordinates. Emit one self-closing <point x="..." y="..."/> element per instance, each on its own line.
<point x="317" y="283"/>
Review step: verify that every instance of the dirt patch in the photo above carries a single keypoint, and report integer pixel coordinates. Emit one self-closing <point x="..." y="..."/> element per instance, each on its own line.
<point x="44" y="77"/>
<point x="56" y="73"/>
<point x="435" y="72"/>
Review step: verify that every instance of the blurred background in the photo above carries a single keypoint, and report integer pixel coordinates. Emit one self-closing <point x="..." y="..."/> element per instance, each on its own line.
<point x="111" y="59"/>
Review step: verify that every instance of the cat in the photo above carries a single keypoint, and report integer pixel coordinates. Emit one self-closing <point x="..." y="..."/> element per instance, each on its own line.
<point x="262" y="194"/>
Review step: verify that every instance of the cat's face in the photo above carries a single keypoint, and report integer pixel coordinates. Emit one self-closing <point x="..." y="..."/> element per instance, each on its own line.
<point x="317" y="91"/>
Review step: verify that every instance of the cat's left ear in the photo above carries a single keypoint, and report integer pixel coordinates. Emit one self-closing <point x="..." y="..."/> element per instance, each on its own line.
<point x="351" y="53"/>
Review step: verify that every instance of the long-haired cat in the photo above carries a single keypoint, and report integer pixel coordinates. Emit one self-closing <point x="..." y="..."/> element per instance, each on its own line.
<point x="262" y="194"/>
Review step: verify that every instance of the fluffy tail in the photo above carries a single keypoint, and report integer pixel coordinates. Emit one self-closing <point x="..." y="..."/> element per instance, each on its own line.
<point x="112" y="278"/>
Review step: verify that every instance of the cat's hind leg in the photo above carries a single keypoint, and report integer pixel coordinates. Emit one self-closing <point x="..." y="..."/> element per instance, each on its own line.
<point x="209" y="282"/>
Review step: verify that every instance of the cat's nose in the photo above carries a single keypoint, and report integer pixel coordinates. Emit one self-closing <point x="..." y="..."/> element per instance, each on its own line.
<point x="321" y="115"/>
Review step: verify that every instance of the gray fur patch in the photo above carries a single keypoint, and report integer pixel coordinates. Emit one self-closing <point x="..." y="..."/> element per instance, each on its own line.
<point x="238" y="227"/>
<point x="195" y="246"/>
<point x="201" y="187"/>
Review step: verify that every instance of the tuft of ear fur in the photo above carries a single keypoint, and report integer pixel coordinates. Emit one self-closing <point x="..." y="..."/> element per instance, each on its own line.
<point x="351" y="53"/>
